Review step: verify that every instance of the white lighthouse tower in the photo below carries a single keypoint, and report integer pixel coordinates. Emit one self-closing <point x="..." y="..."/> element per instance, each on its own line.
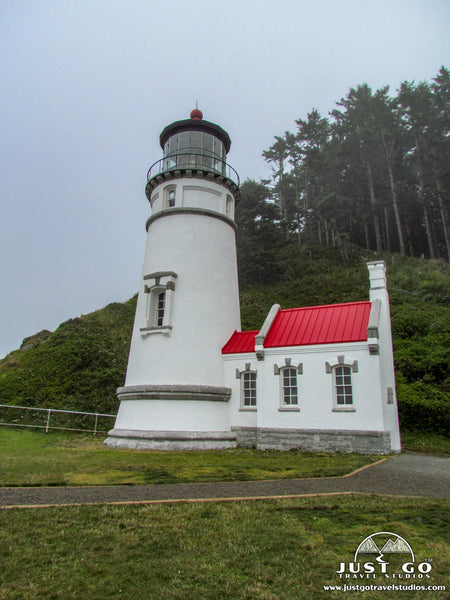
<point x="188" y="303"/>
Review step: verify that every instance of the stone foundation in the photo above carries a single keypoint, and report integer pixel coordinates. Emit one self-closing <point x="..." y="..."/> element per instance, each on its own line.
<point x="262" y="438"/>
<point x="314" y="440"/>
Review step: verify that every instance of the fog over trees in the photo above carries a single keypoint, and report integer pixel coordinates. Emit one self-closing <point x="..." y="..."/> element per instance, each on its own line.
<point x="375" y="172"/>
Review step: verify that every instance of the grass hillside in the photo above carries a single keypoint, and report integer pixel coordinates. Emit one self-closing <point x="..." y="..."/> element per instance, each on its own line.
<point x="79" y="366"/>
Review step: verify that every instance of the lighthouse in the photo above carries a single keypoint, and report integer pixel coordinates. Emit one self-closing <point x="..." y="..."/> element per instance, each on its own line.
<point x="175" y="395"/>
<point x="319" y="378"/>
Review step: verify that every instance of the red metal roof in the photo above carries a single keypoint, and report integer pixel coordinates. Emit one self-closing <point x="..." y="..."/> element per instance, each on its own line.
<point x="240" y="341"/>
<point x="331" y="324"/>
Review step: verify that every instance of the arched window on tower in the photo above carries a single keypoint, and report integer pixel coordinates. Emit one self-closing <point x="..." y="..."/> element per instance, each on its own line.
<point x="170" y="195"/>
<point x="160" y="308"/>
<point x="159" y="289"/>
<point x="229" y="207"/>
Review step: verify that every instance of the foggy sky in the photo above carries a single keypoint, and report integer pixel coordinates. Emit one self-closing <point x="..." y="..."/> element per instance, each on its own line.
<point x="87" y="86"/>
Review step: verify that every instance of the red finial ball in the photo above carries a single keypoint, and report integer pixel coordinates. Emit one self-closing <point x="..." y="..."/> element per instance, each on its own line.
<point x="196" y="114"/>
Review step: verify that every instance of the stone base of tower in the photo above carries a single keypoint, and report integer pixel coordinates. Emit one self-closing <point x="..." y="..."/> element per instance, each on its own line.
<point x="173" y="417"/>
<point x="171" y="440"/>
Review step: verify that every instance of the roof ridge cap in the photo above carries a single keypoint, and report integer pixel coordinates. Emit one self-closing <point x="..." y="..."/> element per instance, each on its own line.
<point x="325" y="305"/>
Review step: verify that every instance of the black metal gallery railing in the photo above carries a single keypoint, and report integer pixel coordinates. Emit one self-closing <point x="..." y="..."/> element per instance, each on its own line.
<point x="195" y="161"/>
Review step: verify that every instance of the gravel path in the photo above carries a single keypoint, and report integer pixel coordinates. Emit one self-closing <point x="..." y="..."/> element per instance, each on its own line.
<point x="401" y="475"/>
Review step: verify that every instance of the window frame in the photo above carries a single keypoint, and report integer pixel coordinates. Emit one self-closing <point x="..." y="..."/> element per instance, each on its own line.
<point x="252" y="388"/>
<point x="159" y="293"/>
<point x="343" y="389"/>
<point x="170" y="196"/>
<point x="242" y="375"/>
<point x="278" y="369"/>
<point x="284" y="396"/>
<point x="160" y="307"/>
<point x="331" y="368"/>
<point x="229" y="207"/>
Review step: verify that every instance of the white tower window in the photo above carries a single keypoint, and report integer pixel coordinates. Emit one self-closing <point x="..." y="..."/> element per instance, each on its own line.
<point x="229" y="207"/>
<point x="170" y="194"/>
<point x="160" y="307"/>
<point x="159" y="288"/>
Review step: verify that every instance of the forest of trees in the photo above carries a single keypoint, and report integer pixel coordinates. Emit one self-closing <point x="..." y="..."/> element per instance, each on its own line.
<point x="375" y="173"/>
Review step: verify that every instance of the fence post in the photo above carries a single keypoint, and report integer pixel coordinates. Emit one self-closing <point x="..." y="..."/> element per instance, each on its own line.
<point x="48" y="420"/>
<point x="95" y="426"/>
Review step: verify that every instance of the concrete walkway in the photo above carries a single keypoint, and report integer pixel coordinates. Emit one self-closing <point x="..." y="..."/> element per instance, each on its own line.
<point x="407" y="474"/>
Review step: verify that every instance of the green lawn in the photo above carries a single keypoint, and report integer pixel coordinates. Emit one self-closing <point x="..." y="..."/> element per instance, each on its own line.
<point x="432" y="443"/>
<point x="30" y="458"/>
<point x="245" y="550"/>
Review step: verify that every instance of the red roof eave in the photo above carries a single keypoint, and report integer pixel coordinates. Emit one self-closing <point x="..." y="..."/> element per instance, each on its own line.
<point x="240" y="342"/>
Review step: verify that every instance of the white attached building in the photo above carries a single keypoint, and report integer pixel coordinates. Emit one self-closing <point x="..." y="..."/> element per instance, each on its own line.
<point x="318" y="378"/>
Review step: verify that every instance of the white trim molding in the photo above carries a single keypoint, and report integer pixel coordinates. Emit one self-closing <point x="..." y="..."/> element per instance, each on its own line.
<point x="341" y="360"/>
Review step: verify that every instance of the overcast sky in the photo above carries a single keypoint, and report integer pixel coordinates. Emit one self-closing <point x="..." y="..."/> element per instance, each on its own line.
<point x="86" y="86"/>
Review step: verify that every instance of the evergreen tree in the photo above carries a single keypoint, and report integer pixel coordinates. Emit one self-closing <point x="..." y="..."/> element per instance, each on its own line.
<point x="376" y="174"/>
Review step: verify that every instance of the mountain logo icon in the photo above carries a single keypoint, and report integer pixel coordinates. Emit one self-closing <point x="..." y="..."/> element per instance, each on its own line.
<point x="384" y="542"/>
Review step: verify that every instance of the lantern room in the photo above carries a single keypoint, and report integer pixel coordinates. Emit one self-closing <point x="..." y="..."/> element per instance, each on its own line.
<point x="194" y="148"/>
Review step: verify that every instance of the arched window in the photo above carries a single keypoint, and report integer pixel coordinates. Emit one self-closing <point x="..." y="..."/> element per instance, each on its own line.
<point x="288" y="374"/>
<point x="160" y="308"/>
<point x="248" y="389"/>
<point x="159" y="288"/>
<point x="342" y="369"/>
<point x="229" y="207"/>
<point x="289" y="389"/>
<point x="170" y="193"/>
<point x="343" y="392"/>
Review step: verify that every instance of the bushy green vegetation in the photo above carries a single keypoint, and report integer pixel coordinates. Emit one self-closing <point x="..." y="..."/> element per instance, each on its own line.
<point x="257" y="550"/>
<point x="78" y="367"/>
<point x="432" y="443"/>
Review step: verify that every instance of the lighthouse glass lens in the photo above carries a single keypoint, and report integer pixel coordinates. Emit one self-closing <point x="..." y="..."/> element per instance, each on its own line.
<point x="183" y="149"/>
<point x="196" y="141"/>
<point x="194" y="150"/>
<point x="219" y="154"/>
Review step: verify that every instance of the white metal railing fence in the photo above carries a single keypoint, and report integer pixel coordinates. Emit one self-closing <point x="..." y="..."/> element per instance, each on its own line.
<point x="62" y="419"/>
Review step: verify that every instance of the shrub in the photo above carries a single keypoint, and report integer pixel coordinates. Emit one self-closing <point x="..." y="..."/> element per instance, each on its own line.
<point x="423" y="408"/>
